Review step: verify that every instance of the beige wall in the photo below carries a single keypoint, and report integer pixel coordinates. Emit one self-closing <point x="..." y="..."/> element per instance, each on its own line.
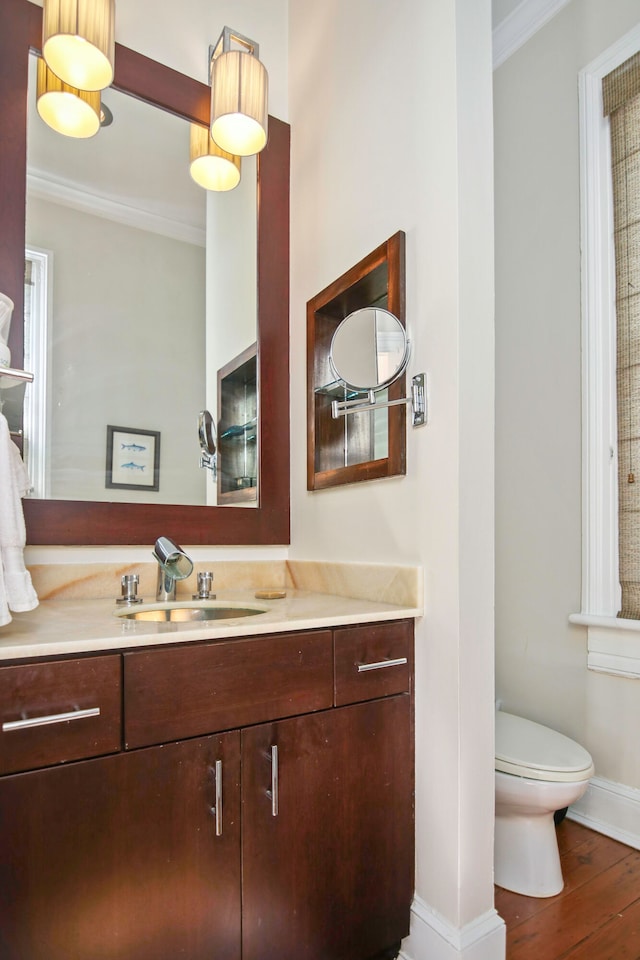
<point x="541" y="659"/>
<point x="390" y="110"/>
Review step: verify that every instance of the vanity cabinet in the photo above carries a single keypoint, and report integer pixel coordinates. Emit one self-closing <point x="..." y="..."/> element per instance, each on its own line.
<point x="258" y="806"/>
<point x="118" y="858"/>
<point x="330" y="874"/>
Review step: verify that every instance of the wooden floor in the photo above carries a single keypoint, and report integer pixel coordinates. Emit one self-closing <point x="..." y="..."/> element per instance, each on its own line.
<point x="597" y="915"/>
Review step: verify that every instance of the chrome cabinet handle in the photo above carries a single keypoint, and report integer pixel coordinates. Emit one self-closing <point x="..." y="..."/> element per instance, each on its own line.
<point x="381" y="664"/>
<point x="29" y="722"/>
<point x="217" y="810"/>
<point x="273" y="793"/>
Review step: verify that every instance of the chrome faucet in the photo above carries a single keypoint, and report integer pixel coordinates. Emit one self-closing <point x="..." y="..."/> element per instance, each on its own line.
<point x="173" y="565"/>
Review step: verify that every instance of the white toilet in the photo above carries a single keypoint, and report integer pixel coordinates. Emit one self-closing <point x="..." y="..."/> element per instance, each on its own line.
<point x="538" y="771"/>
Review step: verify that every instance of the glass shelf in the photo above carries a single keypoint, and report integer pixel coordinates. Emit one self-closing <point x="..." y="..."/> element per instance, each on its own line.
<point x="338" y="390"/>
<point x="240" y="431"/>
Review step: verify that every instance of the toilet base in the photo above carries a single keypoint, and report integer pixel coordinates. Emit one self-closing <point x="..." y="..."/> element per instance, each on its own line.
<point x="526" y="858"/>
<point x="526" y="855"/>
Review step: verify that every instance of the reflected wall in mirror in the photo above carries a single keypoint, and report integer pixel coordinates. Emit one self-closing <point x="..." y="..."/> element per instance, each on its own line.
<point x="363" y="445"/>
<point x="182" y="372"/>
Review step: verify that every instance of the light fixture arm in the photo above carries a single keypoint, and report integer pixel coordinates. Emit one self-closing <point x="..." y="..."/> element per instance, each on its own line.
<point x="223" y="45"/>
<point x="418" y="401"/>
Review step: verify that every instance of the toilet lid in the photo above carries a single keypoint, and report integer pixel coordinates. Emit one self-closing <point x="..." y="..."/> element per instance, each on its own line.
<point x="528" y="749"/>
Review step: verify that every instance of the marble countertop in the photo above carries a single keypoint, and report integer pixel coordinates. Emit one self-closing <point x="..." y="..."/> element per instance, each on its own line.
<point x="62" y="627"/>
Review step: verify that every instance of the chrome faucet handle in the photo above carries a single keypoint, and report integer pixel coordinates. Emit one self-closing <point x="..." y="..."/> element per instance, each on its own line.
<point x="205" y="580"/>
<point x="129" y="586"/>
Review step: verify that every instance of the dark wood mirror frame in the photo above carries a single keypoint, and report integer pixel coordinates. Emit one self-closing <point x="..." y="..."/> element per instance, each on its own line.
<point x="84" y="522"/>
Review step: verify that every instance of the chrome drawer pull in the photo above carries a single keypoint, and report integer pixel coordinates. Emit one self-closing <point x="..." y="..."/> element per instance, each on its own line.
<point x="29" y="722"/>
<point x="218" y="806"/>
<point x="273" y="793"/>
<point x="381" y="664"/>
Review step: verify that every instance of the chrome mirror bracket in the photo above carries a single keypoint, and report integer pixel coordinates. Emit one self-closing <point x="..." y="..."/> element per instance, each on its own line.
<point x="418" y="401"/>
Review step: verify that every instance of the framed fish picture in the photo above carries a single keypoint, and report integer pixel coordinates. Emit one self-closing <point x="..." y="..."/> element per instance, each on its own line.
<point x="133" y="458"/>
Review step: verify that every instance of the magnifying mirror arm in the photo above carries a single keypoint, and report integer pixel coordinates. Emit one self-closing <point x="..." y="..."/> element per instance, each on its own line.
<point x="418" y="401"/>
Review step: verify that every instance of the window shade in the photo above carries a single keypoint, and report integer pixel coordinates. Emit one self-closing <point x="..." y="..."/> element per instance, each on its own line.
<point x="621" y="85"/>
<point x="621" y="99"/>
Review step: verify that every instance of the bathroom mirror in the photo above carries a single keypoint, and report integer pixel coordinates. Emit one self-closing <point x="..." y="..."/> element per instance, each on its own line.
<point x="369" y="349"/>
<point x="86" y="522"/>
<point x="115" y="230"/>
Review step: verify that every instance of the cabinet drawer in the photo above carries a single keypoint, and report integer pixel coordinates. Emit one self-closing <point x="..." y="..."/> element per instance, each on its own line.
<point x="373" y="661"/>
<point x="58" y="711"/>
<point x="171" y="694"/>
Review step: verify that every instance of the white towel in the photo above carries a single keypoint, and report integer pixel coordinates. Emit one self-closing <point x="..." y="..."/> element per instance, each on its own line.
<point x="16" y="589"/>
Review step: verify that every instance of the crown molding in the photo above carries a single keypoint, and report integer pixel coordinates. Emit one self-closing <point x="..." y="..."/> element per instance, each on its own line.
<point x="45" y="187"/>
<point x="521" y="24"/>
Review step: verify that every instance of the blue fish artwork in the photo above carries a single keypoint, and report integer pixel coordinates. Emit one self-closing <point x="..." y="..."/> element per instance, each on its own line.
<point x="132" y="446"/>
<point x="133" y="466"/>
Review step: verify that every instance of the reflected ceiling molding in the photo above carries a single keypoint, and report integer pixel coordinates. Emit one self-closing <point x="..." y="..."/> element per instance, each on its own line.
<point x="57" y="190"/>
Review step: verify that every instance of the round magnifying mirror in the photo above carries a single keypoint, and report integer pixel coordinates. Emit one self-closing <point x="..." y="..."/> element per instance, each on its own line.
<point x="206" y="432"/>
<point x="369" y="349"/>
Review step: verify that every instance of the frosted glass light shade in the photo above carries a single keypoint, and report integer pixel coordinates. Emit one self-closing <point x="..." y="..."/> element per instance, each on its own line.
<point x="211" y="167"/>
<point x="67" y="110"/>
<point x="78" y="41"/>
<point x="239" y="97"/>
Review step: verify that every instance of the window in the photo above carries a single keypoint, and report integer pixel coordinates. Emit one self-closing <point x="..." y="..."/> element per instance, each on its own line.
<point x="614" y="642"/>
<point x="621" y="104"/>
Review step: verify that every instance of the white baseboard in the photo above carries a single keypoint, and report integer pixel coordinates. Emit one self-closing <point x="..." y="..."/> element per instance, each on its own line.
<point x="434" y="938"/>
<point x="610" y="808"/>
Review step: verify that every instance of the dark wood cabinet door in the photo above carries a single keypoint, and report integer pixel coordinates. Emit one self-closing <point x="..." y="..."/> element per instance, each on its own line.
<point x="118" y="858"/>
<point x="328" y="871"/>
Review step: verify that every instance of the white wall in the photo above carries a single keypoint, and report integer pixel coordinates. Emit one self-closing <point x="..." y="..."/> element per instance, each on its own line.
<point x="541" y="659"/>
<point x="390" y="108"/>
<point x="179" y="35"/>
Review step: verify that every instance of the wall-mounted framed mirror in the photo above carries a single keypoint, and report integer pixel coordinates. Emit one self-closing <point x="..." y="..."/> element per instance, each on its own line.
<point x="161" y="88"/>
<point x="342" y="350"/>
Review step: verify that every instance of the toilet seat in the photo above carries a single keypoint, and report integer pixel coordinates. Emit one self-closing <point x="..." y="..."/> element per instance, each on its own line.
<point x="528" y="749"/>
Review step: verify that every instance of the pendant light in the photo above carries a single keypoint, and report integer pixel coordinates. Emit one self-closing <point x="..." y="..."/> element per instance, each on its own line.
<point x="78" y="41"/>
<point x="239" y="95"/>
<point x="211" y="167"/>
<point x="67" y="110"/>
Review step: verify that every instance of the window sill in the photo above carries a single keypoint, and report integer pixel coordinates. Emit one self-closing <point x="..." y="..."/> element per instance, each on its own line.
<point x="613" y="644"/>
